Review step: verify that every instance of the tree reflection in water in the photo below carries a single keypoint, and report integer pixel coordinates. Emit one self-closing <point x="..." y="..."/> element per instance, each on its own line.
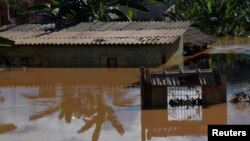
<point x="6" y="127"/>
<point x="87" y="104"/>
<point x="241" y="106"/>
<point x="1" y="99"/>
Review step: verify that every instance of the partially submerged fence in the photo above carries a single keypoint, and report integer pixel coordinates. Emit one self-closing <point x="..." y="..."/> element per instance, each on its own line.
<point x="190" y="87"/>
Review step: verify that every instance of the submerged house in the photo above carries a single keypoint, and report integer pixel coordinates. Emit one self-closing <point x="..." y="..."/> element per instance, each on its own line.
<point x="99" y="44"/>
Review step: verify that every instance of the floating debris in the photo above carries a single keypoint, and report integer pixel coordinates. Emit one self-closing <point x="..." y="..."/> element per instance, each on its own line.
<point x="240" y="97"/>
<point x="189" y="102"/>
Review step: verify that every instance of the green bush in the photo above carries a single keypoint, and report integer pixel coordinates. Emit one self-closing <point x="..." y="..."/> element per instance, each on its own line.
<point x="217" y="17"/>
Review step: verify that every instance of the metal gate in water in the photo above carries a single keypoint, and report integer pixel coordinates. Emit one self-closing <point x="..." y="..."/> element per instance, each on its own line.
<point x="184" y="103"/>
<point x="182" y="89"/>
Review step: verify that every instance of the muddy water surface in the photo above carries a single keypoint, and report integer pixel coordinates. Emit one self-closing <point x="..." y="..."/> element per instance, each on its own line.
<point x="104" y="104"/>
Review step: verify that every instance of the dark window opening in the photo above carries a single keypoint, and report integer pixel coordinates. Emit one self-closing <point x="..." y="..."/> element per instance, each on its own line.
<point x="112" y="62"/>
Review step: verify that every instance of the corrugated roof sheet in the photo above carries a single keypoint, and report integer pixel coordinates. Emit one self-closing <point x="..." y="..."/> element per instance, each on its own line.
<point x="98" y="33"/>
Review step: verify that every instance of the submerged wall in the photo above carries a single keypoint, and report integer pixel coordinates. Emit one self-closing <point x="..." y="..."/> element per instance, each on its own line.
<point x="214" y="94"/>
<point x="155" y="94"/>
<point x="90" y="56"/>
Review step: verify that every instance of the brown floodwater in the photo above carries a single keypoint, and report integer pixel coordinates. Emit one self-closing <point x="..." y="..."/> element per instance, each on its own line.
<point x="231" y="45"/>
<point x="67" y="104"/>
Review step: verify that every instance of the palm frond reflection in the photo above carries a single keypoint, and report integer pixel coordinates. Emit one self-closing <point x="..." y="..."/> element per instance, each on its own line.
<point x="85" y="103"/>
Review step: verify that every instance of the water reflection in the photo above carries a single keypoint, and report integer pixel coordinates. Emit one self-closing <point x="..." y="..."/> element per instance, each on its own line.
<point x="238" y="113"/>
<point x="87" y="104"/>
<point x="156" y="123"/>
<point x="229" y="41"/>
<point x="7" y="127"/>
<point x="92" y="108"/>
<point x="95" y="106"/>
<point x="185" y="113"/>
<point x="1" y="99"/>
<point x="159" y="123"/>
<point x="76" y="104"/>
<point x="104" y="113"/>
<point x="241" y="106"/>
<point x="235" y="66"/>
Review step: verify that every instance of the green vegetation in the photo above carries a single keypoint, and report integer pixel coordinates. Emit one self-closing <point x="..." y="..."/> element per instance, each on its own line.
<point x="74" y="11"/>
<point x="5" y="42"/>
<point x="217" y="17"/>
<point x="230" y="64"/>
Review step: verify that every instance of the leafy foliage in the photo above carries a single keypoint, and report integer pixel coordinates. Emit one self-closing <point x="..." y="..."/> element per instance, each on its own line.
<point x="5" y="42"/>
<point x="218" y="17"/>
<point x="74" y="11"/>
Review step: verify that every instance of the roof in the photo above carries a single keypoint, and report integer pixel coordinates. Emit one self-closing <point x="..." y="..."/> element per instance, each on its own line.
<point x="194" y="37"/>
<point x="98" y="33"/>
<point x="184" y="78"/>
